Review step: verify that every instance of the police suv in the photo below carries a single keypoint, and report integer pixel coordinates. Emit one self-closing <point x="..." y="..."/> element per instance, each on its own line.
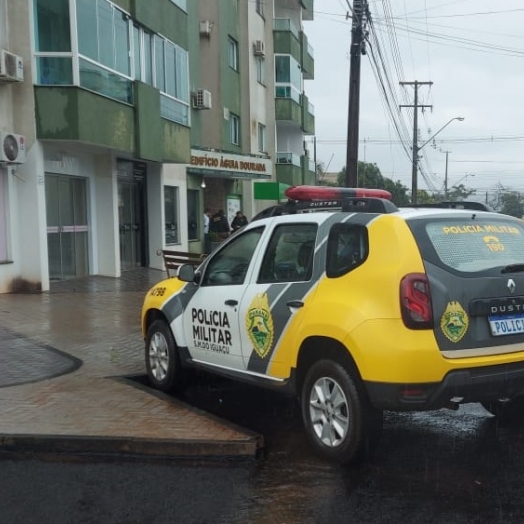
<point x="354" y="310"/>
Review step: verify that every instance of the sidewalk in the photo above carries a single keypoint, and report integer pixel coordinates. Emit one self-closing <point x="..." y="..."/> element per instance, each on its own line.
<point x="63" y="356"/>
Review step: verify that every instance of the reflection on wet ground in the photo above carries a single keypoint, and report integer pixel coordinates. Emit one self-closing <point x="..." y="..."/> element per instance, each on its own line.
<point x="444" y="466"/>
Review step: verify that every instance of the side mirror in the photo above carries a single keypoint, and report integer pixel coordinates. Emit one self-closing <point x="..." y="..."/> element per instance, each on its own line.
<point x="186" y="273"/>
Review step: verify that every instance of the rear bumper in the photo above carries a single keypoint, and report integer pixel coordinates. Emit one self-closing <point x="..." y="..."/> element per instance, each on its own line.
<point x="468" y="385"/>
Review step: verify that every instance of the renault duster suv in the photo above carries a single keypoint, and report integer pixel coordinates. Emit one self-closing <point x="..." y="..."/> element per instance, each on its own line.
<point x="354" y="313"/>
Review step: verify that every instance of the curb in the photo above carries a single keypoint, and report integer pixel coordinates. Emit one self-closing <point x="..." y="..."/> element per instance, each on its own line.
<point x="132" y="447"/>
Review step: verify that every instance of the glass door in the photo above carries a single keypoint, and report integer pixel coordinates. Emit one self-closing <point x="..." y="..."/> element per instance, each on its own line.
<point x="67" y="227"/>
<point x="130" y="224"/>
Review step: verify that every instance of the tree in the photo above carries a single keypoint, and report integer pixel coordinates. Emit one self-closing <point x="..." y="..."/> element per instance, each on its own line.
<point x="512" y="203"/>
<point x="459" y="192"/>
<point x="369" y="175"/>
<point x="505" y="201"/>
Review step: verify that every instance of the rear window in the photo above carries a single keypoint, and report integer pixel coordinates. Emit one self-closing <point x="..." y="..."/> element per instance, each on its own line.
<point x="475" y="244"/>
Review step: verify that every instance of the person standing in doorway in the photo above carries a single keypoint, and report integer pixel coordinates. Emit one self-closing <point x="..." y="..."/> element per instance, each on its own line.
<point x="239" y="221"/>
<point x="207" y="240"/>
<point x="219" y="224"/>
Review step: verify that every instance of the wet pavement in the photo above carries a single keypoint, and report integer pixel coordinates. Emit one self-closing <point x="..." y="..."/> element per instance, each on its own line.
<point x="64" y="359"/>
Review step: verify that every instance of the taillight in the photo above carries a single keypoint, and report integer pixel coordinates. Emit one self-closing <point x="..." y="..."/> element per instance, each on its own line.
<point x="415" y="301"/>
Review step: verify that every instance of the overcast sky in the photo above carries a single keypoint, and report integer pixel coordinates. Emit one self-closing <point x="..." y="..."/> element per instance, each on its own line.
<point x="472" y="51"/>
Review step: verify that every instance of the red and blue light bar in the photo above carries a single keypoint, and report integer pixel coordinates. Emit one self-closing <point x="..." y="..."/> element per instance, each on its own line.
<point x="302" y="193"/>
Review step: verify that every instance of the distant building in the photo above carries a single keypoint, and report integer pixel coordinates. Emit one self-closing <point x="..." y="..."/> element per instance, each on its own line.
<point x="126" y="119"/>
<point x="331" y="178"/>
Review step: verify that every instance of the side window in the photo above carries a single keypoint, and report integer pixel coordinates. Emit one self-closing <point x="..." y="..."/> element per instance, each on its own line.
<point x="347" y="248"/>
<point x="289" y="255"/>
<point x="229" y="265"/>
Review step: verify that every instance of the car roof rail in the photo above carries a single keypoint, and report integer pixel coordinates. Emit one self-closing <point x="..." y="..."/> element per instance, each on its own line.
<point x="463" y="204"/>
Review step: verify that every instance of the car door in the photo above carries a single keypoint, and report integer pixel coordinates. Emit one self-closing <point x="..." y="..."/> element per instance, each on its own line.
<point x="277" y="292"/>
<point x="210" y="319"/>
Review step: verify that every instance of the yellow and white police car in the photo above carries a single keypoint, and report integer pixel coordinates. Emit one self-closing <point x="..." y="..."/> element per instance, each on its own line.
<point x="357" y="311"/>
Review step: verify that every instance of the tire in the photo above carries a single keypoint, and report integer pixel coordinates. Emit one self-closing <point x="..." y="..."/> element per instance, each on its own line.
<point x="340" y="422"/>
<point x="164" y="370"/>
<point x="506" y="410"/>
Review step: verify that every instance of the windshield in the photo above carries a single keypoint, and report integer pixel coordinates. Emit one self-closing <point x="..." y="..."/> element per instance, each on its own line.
<point x="472" y="244"/>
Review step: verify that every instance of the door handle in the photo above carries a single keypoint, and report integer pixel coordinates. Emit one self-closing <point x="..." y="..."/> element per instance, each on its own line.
<point x="231" y="302"/>
<point x="295" y="303"/>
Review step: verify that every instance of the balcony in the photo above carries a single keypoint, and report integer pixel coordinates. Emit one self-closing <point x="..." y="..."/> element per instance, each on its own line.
<point x="307" y="9"/>
<point x="309" y="171"/>
<point x="308" y="116"/>
<point x="289" y="168"/>
<point x="307" y="58"/>
<point x="286" y="38"/>
<point x="294" y="170"/>
<point x="287" y="104"/>
<point x="74" y="113"/>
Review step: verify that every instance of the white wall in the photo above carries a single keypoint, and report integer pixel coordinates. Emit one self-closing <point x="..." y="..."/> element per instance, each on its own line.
<point x="104" y="244"/>
<point x="165" y="175"/>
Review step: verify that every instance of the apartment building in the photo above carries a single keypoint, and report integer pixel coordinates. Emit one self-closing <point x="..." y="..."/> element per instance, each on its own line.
<point x="130" y="117"/>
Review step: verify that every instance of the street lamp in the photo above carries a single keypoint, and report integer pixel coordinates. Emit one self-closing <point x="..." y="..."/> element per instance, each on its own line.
<point x="416" y="149"/>
<point x="461" y="179"/>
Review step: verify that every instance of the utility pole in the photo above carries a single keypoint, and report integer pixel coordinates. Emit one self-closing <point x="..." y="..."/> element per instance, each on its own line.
<point x="446" y="177"/>
<point x="359" y="18"/>
<point x="415" y="106"/>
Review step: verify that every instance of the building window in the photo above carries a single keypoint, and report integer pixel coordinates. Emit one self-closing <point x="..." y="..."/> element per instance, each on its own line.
<point x="52" y="30"/>
<point x="104" y="46"/>
<point x="261" y="70"/>
<point x="233" y="53"/>
<point x="172" y="79"/>
<point x="260" y="7"/>
<point x="193" y="215"/>
<point x="261" y="138"/>
<point x="171" y="207"/>
<point x="234" y="129"/>
<point x="3" y="215"/>
<point x="52" y="35"/>
<point x="53" y="70"/>
<point x="288" y="78"/>
<point x="103" y="34"/>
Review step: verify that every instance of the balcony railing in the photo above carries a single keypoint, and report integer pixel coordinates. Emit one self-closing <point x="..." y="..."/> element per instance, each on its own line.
<point x="285" y="24"/>
<point x="287" y="91"/>
<point x="310" y="50"/>
<point x="288" y="158"/>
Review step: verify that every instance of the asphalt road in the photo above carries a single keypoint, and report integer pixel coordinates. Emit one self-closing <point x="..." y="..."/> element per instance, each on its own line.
<point x="442" y="467"/>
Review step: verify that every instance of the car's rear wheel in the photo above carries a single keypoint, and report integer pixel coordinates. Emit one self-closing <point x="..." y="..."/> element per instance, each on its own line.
<point x="339" y="420"/>
<point x="507" y="409"/>
<point x="162" y="360"/>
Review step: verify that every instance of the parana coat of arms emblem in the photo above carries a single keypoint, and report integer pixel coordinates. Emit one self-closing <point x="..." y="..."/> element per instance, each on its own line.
<point x="259" y="324"/>
<point x="454" y="322"/>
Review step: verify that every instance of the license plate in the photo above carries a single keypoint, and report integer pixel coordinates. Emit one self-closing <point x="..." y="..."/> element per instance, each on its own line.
<point x="506" y="325"/>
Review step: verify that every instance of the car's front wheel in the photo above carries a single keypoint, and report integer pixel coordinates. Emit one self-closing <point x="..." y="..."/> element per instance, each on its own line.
<point x="339" y="420"/>
<point x="506" y="410"/>
<point x="162" y="359"/>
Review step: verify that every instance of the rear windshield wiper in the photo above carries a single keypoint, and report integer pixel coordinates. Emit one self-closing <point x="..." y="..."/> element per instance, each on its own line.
<point x="513" y="268"/>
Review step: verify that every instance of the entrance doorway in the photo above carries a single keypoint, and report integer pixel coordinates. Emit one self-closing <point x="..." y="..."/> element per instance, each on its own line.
<point x="67" y="227"/>
<point x="131" y="213"/>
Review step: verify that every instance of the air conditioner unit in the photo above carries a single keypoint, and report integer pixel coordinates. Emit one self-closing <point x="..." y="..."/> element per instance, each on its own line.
<point x="202" y="99"/>
<point x="12" y="148"/>
<point x="11" y="67"/>
<point x="205" y="27"/>
<point x="259" y="48"/>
